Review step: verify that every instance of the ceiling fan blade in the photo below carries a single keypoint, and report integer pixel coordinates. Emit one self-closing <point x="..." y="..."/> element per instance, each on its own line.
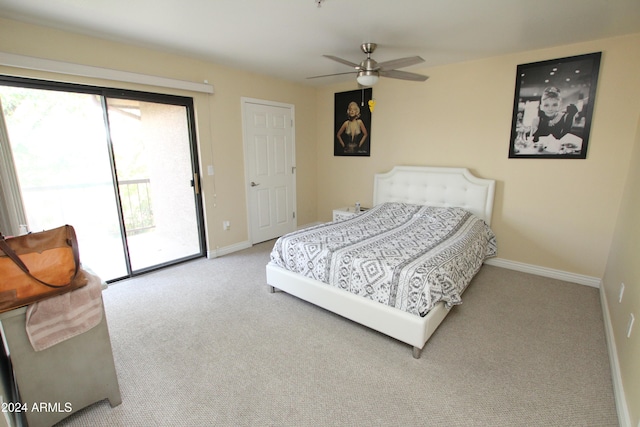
<point x="400" y="63"/>
<point x="342" y="61"/>
<point x="329" y="75"/>
<point x="403" y="75"/>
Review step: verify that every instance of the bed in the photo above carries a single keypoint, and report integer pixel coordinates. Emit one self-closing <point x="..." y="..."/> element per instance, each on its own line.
<point x="411" y="194"/>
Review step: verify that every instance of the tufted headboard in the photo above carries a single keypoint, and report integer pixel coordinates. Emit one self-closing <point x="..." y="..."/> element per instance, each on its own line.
<point x="436" y="186"/>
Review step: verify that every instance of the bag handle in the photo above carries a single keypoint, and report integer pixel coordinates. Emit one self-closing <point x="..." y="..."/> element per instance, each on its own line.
<point x="4" y="246"/>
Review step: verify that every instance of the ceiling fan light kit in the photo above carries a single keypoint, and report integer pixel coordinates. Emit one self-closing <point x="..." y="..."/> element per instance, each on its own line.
<point x="367" y="77"/>
<point x="369" y="71"/>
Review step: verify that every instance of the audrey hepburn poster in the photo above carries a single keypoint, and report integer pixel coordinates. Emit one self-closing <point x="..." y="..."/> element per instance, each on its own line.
<point x="553" y="106"/>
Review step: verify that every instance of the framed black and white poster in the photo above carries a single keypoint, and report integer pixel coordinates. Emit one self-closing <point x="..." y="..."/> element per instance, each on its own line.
<point x="553" y="106"/>
<point x="352" y="123"/>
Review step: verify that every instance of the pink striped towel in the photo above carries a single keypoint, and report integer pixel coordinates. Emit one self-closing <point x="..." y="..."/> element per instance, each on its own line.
<point x="59" y="318"/>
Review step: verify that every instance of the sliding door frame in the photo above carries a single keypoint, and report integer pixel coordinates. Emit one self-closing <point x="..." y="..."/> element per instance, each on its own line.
<point x="104" y="93"/>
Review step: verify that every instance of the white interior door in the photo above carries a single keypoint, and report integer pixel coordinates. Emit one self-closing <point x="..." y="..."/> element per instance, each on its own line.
<point x="270" y="168"/>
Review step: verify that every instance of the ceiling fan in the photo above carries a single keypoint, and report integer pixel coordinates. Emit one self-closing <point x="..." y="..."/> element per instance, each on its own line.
<point x="369" y="70"/>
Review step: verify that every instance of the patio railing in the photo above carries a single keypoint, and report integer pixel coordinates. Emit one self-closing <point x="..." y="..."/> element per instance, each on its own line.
<point x="135" y="195"/>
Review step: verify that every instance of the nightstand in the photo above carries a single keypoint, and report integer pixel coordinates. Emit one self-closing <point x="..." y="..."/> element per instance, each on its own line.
<point x="344" y="213"/>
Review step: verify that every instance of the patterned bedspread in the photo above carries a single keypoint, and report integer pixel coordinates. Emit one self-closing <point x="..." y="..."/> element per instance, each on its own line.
<point x="406" y="256"/>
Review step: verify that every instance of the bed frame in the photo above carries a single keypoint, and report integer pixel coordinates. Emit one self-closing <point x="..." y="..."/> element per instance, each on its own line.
<point x="433" y="186"/>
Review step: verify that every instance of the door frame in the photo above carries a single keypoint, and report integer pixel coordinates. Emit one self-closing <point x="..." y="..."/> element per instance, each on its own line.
<point x="245" y="146"/>
<point x="168" y="99"/>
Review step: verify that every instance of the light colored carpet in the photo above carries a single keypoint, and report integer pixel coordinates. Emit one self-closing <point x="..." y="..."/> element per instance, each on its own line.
<point x="205" y="344"/>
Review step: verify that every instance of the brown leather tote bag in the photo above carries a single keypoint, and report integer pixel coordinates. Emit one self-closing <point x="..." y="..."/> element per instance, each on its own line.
<point x="39" y="265"/>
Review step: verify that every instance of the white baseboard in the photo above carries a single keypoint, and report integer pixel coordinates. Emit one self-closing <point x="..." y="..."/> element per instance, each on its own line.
<point x="226" y="250"/>
<point x="624" y="418"/>
<point x="545" y="272"/>
<point x="497" y="262"/>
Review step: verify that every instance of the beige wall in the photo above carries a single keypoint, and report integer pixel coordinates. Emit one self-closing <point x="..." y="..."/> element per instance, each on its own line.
<point x="218" y="116"/>
<point x="623" y="267"/>
<point x="558" y="214"/>
<point x="553" y="213"/>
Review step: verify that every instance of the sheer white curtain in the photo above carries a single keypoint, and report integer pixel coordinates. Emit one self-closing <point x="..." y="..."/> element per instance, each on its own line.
<point x="12" y="215"/>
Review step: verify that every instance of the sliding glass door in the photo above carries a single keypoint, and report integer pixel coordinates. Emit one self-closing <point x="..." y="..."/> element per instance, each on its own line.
<point x="59" y="145"/>
<point x="118" y="166"/>
<point x="152" y="152"/>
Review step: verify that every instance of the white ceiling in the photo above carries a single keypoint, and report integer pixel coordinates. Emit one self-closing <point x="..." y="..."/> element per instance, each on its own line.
<point x="287" y="38"/>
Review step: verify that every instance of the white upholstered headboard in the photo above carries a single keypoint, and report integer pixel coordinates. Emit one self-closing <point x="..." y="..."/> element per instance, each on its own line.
<point x="436" y="186"/>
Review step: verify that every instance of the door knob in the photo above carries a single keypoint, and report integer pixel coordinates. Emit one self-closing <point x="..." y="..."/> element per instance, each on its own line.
<point x="253" y="184"/>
